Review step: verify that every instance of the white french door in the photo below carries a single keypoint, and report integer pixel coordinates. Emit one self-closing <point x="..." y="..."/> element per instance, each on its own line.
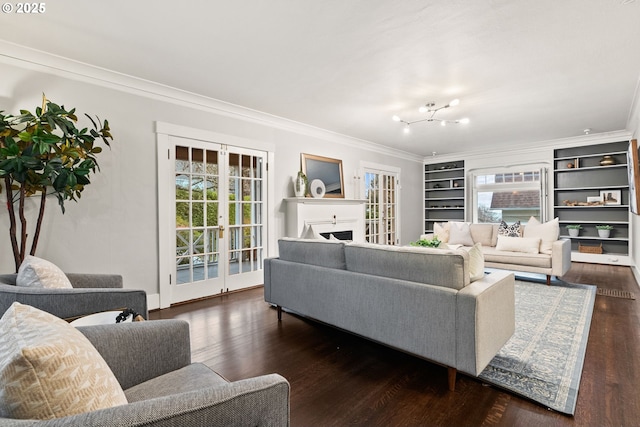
<point x="216" y="204"/>
<point x="382" y="194"/>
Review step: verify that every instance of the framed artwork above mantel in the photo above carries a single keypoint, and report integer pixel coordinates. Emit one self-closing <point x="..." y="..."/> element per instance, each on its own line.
<point x="327" y="170"/>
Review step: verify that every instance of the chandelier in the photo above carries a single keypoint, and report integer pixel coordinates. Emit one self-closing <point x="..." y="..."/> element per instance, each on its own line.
<point x="429" y="109"/>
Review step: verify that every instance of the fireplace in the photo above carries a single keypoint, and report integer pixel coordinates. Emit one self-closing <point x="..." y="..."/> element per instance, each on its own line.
<point x="340" y="235"/>
<point x="344" y="218"/>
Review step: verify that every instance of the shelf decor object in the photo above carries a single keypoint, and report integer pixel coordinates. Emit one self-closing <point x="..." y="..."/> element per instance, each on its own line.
<point x="607" y="161"/>
<point x="300" y="184"/>
<point x="604" y="231"/>
<point x="574" y="229"/>
<point x="611" y="197"/>
<point x="317" y="189"/>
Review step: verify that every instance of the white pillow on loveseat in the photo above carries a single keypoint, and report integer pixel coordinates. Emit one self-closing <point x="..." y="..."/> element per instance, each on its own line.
<point x="527" y="245"/>
<point x="547" y="233"/>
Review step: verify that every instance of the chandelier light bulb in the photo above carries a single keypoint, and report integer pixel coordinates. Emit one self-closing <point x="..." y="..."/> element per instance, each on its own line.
<point x="423" y="109"/>
<point x="464" y="121"/>
<point x="454" y="102"/>
<point x="396" y="118"/>
<point x="407" y="129"/>
<point x="443" y="123"/>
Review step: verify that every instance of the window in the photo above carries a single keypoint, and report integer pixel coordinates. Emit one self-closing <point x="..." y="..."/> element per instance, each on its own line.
<point x="509" y="195"/>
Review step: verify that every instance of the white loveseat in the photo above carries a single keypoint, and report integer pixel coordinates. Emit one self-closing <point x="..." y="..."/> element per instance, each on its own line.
<point x="534" y="248"/>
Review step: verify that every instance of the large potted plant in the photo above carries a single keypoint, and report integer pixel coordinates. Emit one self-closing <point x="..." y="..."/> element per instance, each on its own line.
<point x="42" y="154"/>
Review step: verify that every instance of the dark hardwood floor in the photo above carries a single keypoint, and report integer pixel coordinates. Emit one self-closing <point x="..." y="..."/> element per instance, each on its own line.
<point x="338" y="379"/>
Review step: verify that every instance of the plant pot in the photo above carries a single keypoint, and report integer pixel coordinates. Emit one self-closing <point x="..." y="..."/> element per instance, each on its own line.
<point x="604" y="233"/>
<point x="573" y="232"/>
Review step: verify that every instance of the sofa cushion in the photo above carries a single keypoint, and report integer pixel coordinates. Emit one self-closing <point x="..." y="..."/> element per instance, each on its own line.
<point x="440" y="267"/>
<point x="547" y="233"/>
<point x="460" y="234"/>
<point x="323" y="253"/>
<point x="512" y="230"/>
<point x="492" y="255"/>
<point x="482" y="233"/>
<point x="195" y="376"/>
<point x="39" y="273"/>
<point x="49" y="369"/>
<point x="518" y="244"/>
<point x="441" y="230"/>
<point x="476" y="262"/>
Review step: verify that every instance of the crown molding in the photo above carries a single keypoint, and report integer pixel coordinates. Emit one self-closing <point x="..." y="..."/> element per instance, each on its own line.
<point x="37" y="60"/>
<point x="574" y="141"/>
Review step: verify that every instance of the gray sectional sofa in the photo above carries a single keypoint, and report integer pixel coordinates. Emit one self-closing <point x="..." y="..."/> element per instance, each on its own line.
<point x="418" y="300"/>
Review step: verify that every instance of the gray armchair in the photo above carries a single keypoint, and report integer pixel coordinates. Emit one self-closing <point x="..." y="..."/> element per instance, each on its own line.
<point x="152" y="362"/>
<point x="91" y="293"/>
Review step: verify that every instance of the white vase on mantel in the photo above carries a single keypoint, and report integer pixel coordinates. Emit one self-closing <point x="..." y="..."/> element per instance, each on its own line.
<point x="300" y="185"/>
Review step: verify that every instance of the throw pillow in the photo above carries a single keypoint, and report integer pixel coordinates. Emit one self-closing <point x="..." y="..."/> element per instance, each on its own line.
<point x="482" y="233"/>
<point x="310" y="233"/>
<point x="512" y="230"/>
<point x="476" y="262"/>
<point x="39" y="273"/>
<point x="460" y="234"/>
<point x="547" y="233"/>
<point x="48" y="369"/>
<point x="527" y="245"/>
<point x="441" y="230"/>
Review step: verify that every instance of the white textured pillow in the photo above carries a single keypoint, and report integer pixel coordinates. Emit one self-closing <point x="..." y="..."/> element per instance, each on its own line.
<point x="460" y="234"/>
<point x="49" y="369"/>
<point x="527" y="245"/>
<point x="476" y="262"/>
<point x="39" y="273"/>
<point x="547" y="233"/>
<point x="310" y="233"/>
<point x="441" y="230"/>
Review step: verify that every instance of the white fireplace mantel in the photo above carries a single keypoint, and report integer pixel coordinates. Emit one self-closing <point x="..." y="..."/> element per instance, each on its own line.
<point x="326" y="215"/>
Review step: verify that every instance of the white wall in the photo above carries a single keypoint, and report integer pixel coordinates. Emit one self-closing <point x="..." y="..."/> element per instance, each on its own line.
<point x="114" y="227"/>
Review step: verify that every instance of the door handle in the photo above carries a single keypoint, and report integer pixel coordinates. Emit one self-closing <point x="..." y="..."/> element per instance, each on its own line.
<point x="221" y="232"/>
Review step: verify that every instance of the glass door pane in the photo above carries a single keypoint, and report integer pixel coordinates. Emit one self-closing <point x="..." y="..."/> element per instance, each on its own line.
<point x="196" y="194"/>
<point x="381" y="209"/>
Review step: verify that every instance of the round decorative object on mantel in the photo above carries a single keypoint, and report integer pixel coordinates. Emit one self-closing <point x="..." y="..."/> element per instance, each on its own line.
<point x="317" y="188"/>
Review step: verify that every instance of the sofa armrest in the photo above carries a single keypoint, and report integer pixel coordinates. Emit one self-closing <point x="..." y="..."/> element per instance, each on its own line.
<point x="139" y="351"/>
<point x="260" y="401"/>
<point x="83" y="280"/>
<point x="560" y="257"/>
<point x="70" y="303"/>
<point x="485" y="320"/>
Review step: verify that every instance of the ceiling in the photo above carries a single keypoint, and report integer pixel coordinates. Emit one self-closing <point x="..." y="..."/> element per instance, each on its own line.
<point x="524" y="71"/>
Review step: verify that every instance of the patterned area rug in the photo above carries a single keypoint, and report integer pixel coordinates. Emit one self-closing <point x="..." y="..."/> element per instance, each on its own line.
<point x="543" y="359"/>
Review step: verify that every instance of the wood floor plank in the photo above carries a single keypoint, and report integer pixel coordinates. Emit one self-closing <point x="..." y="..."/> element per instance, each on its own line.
<point x="338" y="379"/>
